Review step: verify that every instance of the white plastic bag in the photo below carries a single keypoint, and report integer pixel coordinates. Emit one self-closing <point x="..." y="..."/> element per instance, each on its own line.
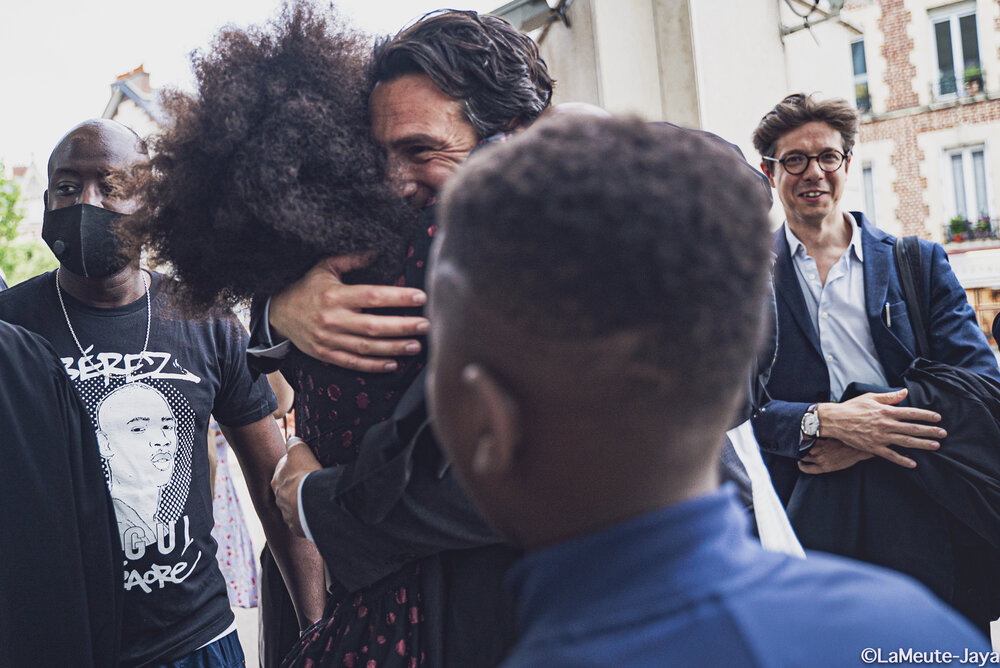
<point x="776" y="533"/>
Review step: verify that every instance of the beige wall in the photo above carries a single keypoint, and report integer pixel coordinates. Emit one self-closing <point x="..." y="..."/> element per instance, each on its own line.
<point x="923" y="49"/>
<point x="681" y="102"/>
<point x="879" y="155"/>
<point x="721" y="64"/>
<point x="740" y="66"/>
<point x="977" y="268"/>
<point x="626" y="42"/>
<point x="923" y="55"/>
<point x="717" y="65"/>
<point x="989" y="41"/>
<point x="571" y="55"/>
<point x="821" y="61"/>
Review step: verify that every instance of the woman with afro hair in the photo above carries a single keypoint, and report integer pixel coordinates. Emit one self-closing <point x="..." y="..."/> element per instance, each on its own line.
<point x="268" y="171"/>
<point x="268" y="167"/>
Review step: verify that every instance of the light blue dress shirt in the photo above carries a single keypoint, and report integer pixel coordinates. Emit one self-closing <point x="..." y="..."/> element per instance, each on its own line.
<point x="837" y="309"/>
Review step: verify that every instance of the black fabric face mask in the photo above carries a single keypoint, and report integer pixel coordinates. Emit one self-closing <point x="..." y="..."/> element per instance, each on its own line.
<point x="82" y="237"/>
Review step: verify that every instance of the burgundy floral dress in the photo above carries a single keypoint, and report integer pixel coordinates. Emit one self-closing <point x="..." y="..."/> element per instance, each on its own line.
<point x="379" y="626"/>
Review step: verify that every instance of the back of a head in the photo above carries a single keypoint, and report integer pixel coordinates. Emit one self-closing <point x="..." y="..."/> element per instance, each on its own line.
<point x="480" y="59"/>
<point x="597" y="229"/>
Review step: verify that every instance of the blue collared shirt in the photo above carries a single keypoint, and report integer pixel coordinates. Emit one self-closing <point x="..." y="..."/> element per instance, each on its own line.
<point x="837" y="310"/>
<point x="688" y="586"/>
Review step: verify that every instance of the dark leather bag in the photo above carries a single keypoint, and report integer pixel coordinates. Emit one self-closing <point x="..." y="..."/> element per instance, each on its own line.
<point x="969" y="404"/>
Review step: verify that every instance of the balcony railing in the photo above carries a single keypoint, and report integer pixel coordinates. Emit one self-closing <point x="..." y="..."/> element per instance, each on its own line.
<point x="864" y="100"/>
<point x="972" y="83"/>
<point x="959" y="230"/>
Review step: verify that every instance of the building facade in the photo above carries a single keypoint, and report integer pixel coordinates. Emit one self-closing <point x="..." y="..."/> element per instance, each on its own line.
<point x="135" y="103"/>
<point x="925" y="75"/>
<point x="927" y="78"/>
<point x="718" y="65"/>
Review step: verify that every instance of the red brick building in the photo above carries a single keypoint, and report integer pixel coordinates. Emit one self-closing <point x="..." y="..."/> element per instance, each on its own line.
<point x="927" y="80"/>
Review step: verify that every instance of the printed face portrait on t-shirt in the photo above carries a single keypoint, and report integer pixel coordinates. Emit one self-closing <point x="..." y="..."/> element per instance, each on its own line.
<point x="138" y="437"/>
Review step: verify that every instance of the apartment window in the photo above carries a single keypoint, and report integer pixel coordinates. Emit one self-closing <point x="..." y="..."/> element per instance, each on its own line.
<point x="860" y="76"/>
<point x="868" y="183"/>
<point x="956" y="44"/>
<point x="967" y="169"/>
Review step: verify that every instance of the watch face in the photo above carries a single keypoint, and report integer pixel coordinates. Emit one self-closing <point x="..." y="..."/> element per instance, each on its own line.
<point x="810" y="424"/>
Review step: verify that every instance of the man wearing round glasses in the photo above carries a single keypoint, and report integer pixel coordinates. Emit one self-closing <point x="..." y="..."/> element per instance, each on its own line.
<point x="796" y="163"/>
<point x="843" y="329"/>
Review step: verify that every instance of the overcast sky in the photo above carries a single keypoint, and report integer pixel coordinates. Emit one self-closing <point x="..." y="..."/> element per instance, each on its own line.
<point x="60" y="56"/>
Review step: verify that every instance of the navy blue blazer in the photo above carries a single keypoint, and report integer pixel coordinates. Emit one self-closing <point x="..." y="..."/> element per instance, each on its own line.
<point x="799" y="376"/>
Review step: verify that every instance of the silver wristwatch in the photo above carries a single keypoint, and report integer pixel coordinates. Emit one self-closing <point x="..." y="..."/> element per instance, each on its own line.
<point x="809" y="427"/>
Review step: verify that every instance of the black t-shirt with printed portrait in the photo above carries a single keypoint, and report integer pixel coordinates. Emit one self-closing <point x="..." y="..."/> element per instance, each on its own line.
<point x="151" y="417"/>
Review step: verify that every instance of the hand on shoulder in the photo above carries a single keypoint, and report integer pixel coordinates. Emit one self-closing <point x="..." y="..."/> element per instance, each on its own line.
<point x="323" y="317"/>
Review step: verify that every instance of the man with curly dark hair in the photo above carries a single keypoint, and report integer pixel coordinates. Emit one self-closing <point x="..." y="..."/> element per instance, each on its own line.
<point x="447" y="84"/>
<point x="450" y="82"/>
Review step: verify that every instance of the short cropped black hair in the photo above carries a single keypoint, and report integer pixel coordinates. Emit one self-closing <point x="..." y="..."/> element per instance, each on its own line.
<point x="583" y="228"/>
<point x="96" y="124"/>
<point x="269" y="166"/>
<point x="479" y="59"/>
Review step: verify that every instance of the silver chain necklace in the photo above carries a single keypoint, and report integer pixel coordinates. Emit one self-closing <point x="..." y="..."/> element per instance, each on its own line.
<point x="149" y="314"/>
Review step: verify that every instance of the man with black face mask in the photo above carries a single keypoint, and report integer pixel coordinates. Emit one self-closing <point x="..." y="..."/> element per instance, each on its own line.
<point x="108" y="321"/>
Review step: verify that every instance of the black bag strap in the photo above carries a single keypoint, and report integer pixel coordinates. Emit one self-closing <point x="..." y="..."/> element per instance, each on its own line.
<point x="907" y="253"/>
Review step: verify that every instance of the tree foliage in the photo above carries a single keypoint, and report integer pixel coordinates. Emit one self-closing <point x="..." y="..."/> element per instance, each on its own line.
<point x="19" y="260"/>
<point x="9" y="216"/>
<point x="27" y="259"/>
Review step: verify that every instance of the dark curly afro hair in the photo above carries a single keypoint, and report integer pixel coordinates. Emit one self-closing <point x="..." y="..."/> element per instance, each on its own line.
<point x="269" y="166"/>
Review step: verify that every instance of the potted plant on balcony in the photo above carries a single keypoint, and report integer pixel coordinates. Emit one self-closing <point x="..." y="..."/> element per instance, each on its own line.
<point x="984" y="228"/>
<point x="973" y="80"/>
<point x="958" y="226"/>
